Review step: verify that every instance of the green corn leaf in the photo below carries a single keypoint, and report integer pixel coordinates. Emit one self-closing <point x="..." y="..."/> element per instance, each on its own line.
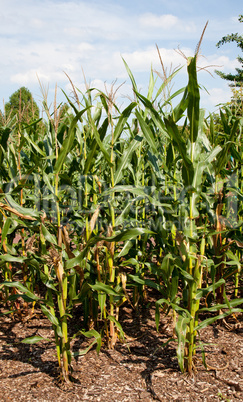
<point x="47" y="180"/>
<point x="211" y="128"/>
<point x="123" y="215"/>
<point x="125" y="249"/>
<point x="23" y="296"/>
<point x="73" y="262"/>
<point x="50" y="316"/>
<point x="92" y="333"/>
<point x="154" y="162"/>
<point x="147" y="282"/>
<point x="125" y="160"/>
<point x="68" y="142"/>
<point x="12" y="258"/>
<point x="181" y="145"/>
<point x="22" y="181"/>
<point x="8" y="312"/>
<point x="102" y="287"/>
<point x="5" y="229"/>
<point x="84" y="351"/>
<point x="131" y="261"/>
<point x="117" y="324"/>
<point x="211" y="320"/>
<point x="48" y="283"/>
<point x="226" y="126"/>
<point x="71" y="104"/>
<point x="22" y="288"/>
<point x="157" y="315"/>
<point x="217" y="307"/>
<point x="186" y="275"/>
<point x="224" y="155"/>
<point x="33" y="144"/>
<point x="100" y="143"/>
<point x="128" y="234"/>
<point x="181" y="328"/>
<point x="204" y="291"/>
<point x="102" y="301"/>
<point x="4" y="135"/>
<point x="104" y="101"/>
<point x="234" y="259"/>
<point x="174" y="306"/>
<point x="34" y="339"/>
<point x="23" y="211"/>
<point x="90" y="158"/>
<point x="154" y="114"/>
<point x="122" y="121"/>
<point x="139" y="191"/>
<point x="178" y="111"/>
<point x="149" y="136"/>
<point x="166" y="82"/>
<point x="48" y="236"/>
<point x="193" y="98"/>
<point x="151" y="86"/>
<point x="131" y="76"/>
<point x="174" y="283"/>
<point x="81" y="296"/>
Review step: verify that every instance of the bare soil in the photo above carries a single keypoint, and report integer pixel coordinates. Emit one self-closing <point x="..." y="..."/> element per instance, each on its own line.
<point x="147" y="371"/>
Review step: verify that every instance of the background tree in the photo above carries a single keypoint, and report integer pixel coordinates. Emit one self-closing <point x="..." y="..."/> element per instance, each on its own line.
<point x="22" y="104"/>
<point x="236" y="79"/>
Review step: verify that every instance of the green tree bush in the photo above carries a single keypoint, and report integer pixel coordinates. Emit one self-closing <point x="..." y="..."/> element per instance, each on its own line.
<point x="22" y="104"/>
<point x="21" y="111"/>
<point x="236" y="79"/>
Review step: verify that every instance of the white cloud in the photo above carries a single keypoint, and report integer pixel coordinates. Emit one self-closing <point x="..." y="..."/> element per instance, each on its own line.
<point x="143" y="59"/>
<point x="37" y="23"/>
<point x="215" y="97"/>
<point x="31" y="77"/>
<point x="162" y="21"/>
<point x="47" y="37"/>
<point x="222" y="63"/>
<point x="169" y="25"/>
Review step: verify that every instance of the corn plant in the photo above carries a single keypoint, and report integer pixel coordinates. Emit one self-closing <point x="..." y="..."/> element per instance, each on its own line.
<point x="104" y="201"/>
<point x="190" y="237"/>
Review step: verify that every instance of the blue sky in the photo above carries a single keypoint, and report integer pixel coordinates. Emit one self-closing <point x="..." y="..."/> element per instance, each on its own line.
<point x="46" y="38"/>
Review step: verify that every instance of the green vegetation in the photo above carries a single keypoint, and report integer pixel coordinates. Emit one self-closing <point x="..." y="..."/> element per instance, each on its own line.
<point x="107" y="203"/>
<point x="237" y="78"/>
<point x="21" y="108"/>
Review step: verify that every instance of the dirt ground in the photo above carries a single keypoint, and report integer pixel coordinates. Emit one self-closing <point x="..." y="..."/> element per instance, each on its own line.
<point x="147" y="372"/>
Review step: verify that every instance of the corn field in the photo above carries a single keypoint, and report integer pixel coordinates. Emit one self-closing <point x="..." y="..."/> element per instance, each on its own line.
<point x="99" y="205"/>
